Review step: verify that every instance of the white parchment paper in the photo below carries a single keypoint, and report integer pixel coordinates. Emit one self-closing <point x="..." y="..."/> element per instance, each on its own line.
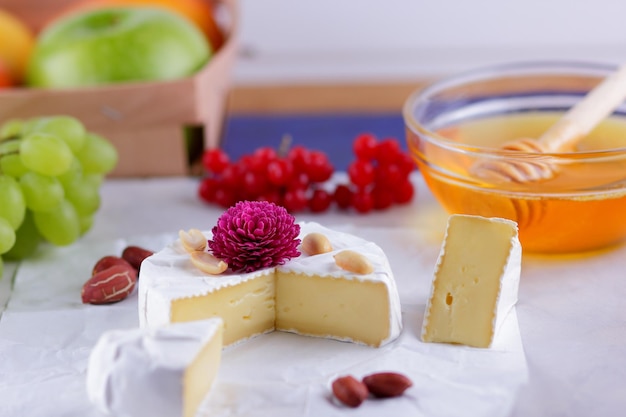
<point x="46" y="335"/>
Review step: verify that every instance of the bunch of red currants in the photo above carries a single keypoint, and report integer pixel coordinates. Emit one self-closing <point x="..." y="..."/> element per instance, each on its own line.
<point x="298" y="178"/>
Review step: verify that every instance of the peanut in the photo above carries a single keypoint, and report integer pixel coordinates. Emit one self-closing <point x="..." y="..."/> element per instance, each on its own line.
<point x="135" y="255"/>
<point x="315" y="244"/>
<point x="387" y="384"/>
<point x="350" y="391"/>
<point x="208" y="263"/>
<point x="108" y="261"/>
<point x="110" y="285"/>
<point x="192" y="240"/>
<point x="353" y="262"/>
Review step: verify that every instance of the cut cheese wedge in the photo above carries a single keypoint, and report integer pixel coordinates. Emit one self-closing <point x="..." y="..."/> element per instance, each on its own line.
<point x="165" y="371"/>
<point x="309" y="295"/>
<point x="475" y="282"/>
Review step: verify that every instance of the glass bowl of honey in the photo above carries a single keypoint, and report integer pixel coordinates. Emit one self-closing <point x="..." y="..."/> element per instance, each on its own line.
<point x="458" y="123"/>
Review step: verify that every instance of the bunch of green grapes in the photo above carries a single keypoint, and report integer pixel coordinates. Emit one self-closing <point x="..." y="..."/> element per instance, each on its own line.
<point x="51" y="170"/>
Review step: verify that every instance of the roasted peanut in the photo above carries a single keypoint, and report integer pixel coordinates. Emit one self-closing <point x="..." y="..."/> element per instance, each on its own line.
<point x="110" y="285"/>
<point x="387" y="384"/>
<point x="350" y="391"/>
<point x="208" y="263"/>
<point x="192" y="240"/>
<point x="108" y="261"/>
<point x="135" y="255"/>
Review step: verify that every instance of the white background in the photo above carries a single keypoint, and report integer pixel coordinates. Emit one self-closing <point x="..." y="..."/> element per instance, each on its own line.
<point x="360" y="40"/>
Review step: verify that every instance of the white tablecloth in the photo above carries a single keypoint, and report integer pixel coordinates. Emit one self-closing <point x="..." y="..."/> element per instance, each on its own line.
<point x="570" y="314"/>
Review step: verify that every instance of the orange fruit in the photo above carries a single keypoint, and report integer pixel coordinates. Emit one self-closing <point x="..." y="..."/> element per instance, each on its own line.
<point x="200" y="12"/>
<point x="16" y="44"/>
<point x="6" y="80"/>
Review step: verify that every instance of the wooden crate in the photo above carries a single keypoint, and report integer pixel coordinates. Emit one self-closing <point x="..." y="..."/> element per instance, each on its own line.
<point x="147" y="121"/>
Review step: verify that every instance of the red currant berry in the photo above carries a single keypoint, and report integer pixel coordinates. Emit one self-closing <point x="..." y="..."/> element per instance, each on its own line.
<point x="265" y="154"/>
<point x="299" y="156"/>
<point x="362" y="201"/>
<point x="404" y="192"/>
<point x="364" y="146"/>
<point x="273" y="195"/>
<point x="279" y="171"/>
<point x="388" y="175"/>
<point x="298" y="180"/>
<point x="225" y="196"/>
<point x="383" y="197"/>
<point x="253" y="164"/>
<point x="388" y="151"/>
<point x="406" y="164"/>
<point x="319" y="168"/>
<point x="361" y="172"/>
<point x="259" y="160"/>
<point x="231" y="176"/>
<point x="207" y="188"/>
<point x="320" y="201"/>
<point x="215" y="160"/>
<point x="343" y="196"/>
<point x="295" y="200"/>
<point x="253" y="185"/>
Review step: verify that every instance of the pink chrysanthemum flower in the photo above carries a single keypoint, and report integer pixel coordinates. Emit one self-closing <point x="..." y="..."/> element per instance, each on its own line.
<point x="255" y="234"/>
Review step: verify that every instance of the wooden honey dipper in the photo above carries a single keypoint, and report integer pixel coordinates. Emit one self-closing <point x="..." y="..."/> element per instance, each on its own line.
<point x="574" y="125"/>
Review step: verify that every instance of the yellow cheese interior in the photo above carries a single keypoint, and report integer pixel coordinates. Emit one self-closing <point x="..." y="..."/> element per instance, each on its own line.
<point x="321" y="306"/>
<point x="312" y="305"/>
<point x="247" y="309"/>
<point x="200" y="374"/>
<point x="467" y="283"/>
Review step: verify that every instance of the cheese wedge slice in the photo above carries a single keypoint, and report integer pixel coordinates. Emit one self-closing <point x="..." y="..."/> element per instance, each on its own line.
<point x="161" y="371"/>
<point x="475" y="282"/>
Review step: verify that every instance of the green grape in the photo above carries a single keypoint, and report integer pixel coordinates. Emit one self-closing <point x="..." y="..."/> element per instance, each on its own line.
<point x="12" y="166"/>
<point x="60" y="226"/>
<point x="45" y="154"/>
<point x="13" y="207"/>
<point x="95" y="180"/>
<point x="86" y="222"/>
<point x="9" y="147"/>
<point x="98" y="156"/>
<point x="83" y="195"/>
<point x="42" y="193"/>
<point x="7" y="235"/>
<point x="27" y="239"/>
<point x="11" y="128"/>
<point x="68" y="129"/>
<point x="75" y="171"/>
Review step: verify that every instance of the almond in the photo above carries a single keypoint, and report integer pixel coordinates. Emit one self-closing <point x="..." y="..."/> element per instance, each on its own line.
<point x="350" y="391"/>
<point x="108" y="261"/>
<point x="135" y="255"/>
<point x="387" y="384"/>
<point x="352" y="261"/>
<point x="315" y="244"/>
<point x="109" y="286"/>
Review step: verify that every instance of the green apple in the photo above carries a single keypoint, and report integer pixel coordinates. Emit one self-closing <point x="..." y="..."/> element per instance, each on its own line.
<point x="116" y="45"/>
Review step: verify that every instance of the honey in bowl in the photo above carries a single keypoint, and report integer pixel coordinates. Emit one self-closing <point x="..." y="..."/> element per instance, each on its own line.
<point x="582" y="208"/>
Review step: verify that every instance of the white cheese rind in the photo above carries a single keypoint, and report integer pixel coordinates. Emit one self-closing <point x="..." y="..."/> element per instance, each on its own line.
<point x="508" y="280"/>
<point x="139" y="372"/>
<point x="509" y="284"/>
<point x="169" y="275"/>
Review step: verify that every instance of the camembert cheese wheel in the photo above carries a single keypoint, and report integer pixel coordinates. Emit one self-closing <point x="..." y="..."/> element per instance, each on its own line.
<point x="309" y="295"/>
<point x="475" y="282"/>
<point x="158" y="372"/>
